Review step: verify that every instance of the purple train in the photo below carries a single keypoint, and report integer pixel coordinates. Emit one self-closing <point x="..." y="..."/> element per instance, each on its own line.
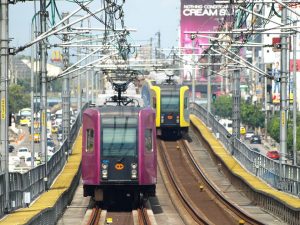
<point x="119" y="153"/>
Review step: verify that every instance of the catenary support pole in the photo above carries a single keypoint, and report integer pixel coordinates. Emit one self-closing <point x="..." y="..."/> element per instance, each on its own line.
<point x="32" y="95"/>
<point x="79" y="80"/>
<point x="193" y="67"/>
<point x="209" y="94"/>
<point x="294" y="98"/>
<point x="283" y="94"/>
<point x="4" y="50"/>
<point x="236" y="97"/>
<point x="66" y="93"/>
<point x="43" y="75"/>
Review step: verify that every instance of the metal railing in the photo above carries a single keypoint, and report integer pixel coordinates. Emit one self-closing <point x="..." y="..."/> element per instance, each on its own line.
<point x="286" y="179"/>
<point x="32" y="182"/>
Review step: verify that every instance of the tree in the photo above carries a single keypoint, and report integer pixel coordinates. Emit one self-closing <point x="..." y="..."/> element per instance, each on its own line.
<point x="56" y="85"/>
<point x="223" y="106"/>
<point x="25" y="83"/>
<point x="252" y="115"/>
<point x="274" y="132"/>
<point x="17" y="98"/>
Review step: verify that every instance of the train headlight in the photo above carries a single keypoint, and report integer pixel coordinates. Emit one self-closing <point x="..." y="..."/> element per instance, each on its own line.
<point x="104" y="166"/>
<point x="133" y="174"/>
<point x="162" y="119"/>
<point x="133" y="165"/>
<point x="177" y="119"/>
<point x="104" y="174"/>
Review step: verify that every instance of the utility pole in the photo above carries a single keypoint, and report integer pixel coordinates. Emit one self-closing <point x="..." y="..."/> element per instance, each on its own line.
<point x="266" y="104"/>
<point x="43" y="74"/>
<point x="236" y="97"/>
<point x="4" y="50"/>
<point x="209" y="96"/>
<point x="283" y="93"/>
<point x="78" y="80"/>
<point x="223" y="74"/>
<point x="294" y="98"/>
<point x="151" y="58"/>
<point x="93" y="82"/>
<point x="32" y="95"/>
<point x="88" y="73"/>
<point x="158" y="44"/>
<point x="66" y="92"/>
<point x="193" y="36"/>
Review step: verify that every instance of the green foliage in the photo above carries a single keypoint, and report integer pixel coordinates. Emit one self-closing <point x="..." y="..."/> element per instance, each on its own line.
<point x="252" y="115"/>
<point x="273" y="128"/>
<point x="25" y="83"/>
<point x="56" y="85"/>
<point x="274" y="132"/>
<point x="17" y="98"/>
<point x="223" y="106"/>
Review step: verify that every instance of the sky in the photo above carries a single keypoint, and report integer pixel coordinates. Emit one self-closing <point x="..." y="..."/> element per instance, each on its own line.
<point x="147" y="17"/>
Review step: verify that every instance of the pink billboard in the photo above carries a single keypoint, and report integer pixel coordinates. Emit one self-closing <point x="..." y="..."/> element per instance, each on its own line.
<point x="201" y="15"/>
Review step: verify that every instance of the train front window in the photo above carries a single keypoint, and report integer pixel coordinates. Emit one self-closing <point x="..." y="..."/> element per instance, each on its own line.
<point x="169" y="103"/>
<point x="119" y="141"/>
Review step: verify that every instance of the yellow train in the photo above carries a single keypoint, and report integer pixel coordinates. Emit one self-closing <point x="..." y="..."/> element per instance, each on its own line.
<point x="171" y="103"/>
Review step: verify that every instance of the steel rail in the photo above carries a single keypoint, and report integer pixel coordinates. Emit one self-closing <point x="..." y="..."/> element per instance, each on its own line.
<point x="143" y="217"/>
<point x="232" y="207"/>
<point x="194" y="213"/>
<point x="95" y="216"/>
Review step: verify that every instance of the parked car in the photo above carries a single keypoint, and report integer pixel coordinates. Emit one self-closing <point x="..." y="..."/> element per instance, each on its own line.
<point x="36" y="137"/>
<point x="51" y="146"/>
<point x="23" y="152"/>
<point x="242" y="130"/>
<point x="54" y="129"/>
<point x="11" y="148"/>
<point x="28" y="161"/>
<point x="249" y="134"/>
<point x="273" y="154"/>
<point x="255" y="139"/>
<point x="255" y="149"/>
<point x="59" y="137"/>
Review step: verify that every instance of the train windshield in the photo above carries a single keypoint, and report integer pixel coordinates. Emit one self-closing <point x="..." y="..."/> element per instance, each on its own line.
<point x="170" y="103"/>
<point x="119" y="137"/>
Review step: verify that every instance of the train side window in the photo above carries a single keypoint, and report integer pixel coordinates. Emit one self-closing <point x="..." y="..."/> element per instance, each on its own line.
<point x="154" y="103"/>
<point x="185" y="103"/>
<point x="148" y="140"/>
<point x="89" y="140"/>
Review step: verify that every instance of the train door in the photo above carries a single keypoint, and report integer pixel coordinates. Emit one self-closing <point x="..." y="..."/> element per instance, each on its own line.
<point x="147" y="148"/>
<point x="90" y="147"/>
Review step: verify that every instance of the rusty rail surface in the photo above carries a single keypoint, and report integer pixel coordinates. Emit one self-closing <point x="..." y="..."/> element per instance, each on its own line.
<point x="143" y="217"/>
<point x="203" y="202"/>
<point x="218" y="194"/>
<point x="95" y="216"/>
<point x="197" y="216"/>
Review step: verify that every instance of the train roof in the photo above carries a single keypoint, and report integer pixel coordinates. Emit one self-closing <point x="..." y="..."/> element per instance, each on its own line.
<point x="164" y="85"/>
<point x="108" y="110"/>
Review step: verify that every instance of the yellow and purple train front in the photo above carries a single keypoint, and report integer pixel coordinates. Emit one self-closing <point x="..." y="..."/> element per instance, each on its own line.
<point x="171" y="103"/>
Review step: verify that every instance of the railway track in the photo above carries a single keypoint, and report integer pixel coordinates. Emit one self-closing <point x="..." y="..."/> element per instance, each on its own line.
<point x="95" y="216"/>
<point x="203" y="202"/>
<point x="134" y="217"/>
<point x="143" y="217"/>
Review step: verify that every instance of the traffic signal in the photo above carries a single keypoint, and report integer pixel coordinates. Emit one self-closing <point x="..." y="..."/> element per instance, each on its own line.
<point x="276" y="42"/>
<point x="10" y="117"/>
<point x="277" y="46"/>
<point x="214" y="97"/>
